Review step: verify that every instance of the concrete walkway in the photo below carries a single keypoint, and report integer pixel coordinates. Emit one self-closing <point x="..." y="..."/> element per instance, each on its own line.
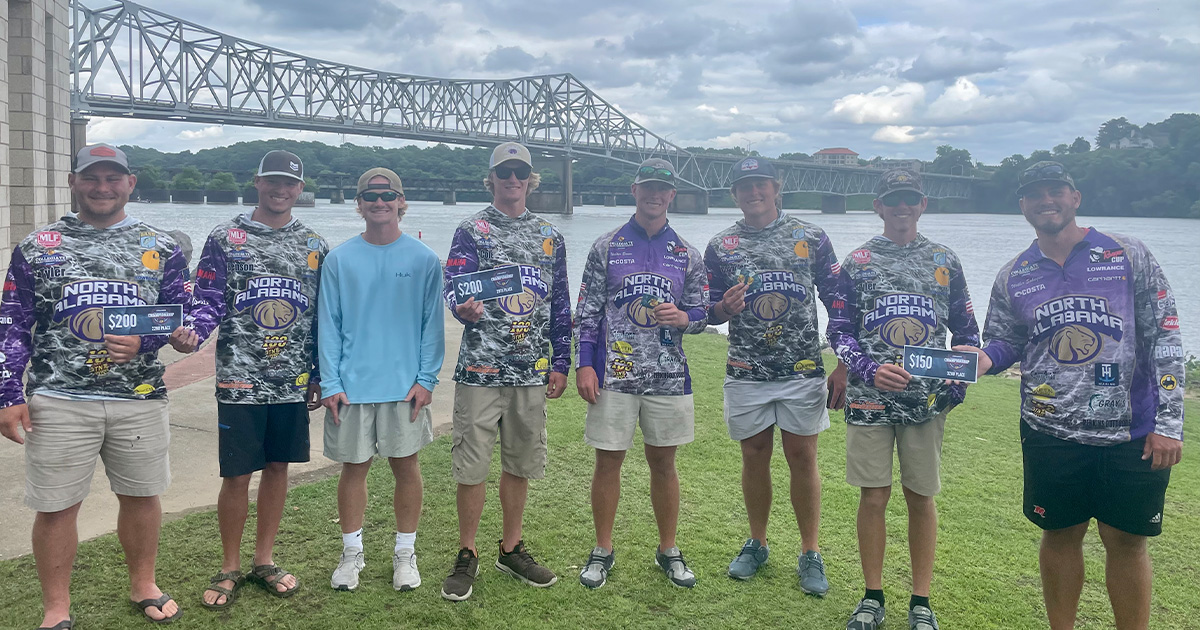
<point x="195" y="479"/>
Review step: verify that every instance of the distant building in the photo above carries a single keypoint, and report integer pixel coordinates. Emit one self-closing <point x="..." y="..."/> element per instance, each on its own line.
<point x="910" y="164"/>
<point x="836" y="156"/>
<point x="1135" y="141"/>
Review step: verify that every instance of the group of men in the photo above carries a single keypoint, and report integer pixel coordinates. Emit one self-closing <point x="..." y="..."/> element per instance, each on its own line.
<point x="359" y="330"/>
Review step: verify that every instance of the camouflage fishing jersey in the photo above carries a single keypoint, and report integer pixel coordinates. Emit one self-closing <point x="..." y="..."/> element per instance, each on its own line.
<point x="896" y="296"/>
<point x="507" y="346"/>
<point x="60" y="279"/>
<point x="627" y="274"/>
<point x="259" y="285"/>
<point x="776" y="337"/>
<point x="1098" y="340"/>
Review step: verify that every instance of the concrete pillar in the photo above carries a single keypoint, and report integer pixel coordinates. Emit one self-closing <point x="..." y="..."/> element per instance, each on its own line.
<point x="553" y="202"/>
<point x="690" y="202"/>
<point x="610" y="201"/>
<point x="577" y="200"/>
<point x="449" y="199"/>
<point x="833" y="204"/>
<point x="35" y="125"/>
<point x="337" y="195"/>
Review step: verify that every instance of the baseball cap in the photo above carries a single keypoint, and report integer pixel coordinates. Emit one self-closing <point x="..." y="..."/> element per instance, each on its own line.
<point x="655" y="170"/>
<point x="96" y="153"/>
<point x="1044" y="171"/>
<point x="510" y="151"/>
<point x="898" y="179"/>
<point x="393" y="181"/>
<point x="283" y="163"/>
<point x="751" y="167"/>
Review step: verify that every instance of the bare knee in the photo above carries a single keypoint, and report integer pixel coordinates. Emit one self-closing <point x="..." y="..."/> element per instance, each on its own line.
<point x="874" y="499"/>
<point x="1065" y="538"/>
<point x="1119" y="542"/>
<point x="609" y="461"/>
<point x="661" y="460"/>
<point x="66" y="515"/>
<point x="240" y="483"/>
<point x="276" y="468"/>
<point x="405" y="467"/>
<point x="757" y="448"/>
<point x="800" y="450"/>
<point x="916" y="500"/>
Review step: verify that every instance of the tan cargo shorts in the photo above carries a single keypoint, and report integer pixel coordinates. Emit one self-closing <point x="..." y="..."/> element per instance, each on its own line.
<point x="918" y="447"/>
<point x="516" y="413"/>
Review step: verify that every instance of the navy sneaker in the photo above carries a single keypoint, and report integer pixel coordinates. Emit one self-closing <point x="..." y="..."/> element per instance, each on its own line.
<point x="672" y="563"/>
<point x="812" y="574"/>
<point x="599" y="563"/>
<point x="752" y="556"/>
<point x="868" y="615"/>
<point x="922" y="618"/>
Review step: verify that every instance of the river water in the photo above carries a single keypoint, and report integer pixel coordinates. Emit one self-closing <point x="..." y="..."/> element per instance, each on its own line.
<point x="984" y="242"/>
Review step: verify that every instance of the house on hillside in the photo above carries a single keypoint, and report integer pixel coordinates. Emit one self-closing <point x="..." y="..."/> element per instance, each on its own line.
<point x="911" y="164"/>
<point x="836" y="156"/>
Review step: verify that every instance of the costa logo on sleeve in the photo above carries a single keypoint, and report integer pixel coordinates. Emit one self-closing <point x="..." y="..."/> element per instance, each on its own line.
<point x="1075" y="327"/>
<point x="275" y="302"/>
<point x="902" y="319"/>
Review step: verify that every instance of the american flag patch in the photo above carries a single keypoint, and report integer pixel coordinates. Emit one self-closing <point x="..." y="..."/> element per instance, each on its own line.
<point x="836" y="269"/>
<point x="970" y="308"/>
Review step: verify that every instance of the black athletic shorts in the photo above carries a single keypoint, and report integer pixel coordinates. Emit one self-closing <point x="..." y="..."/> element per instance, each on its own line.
<point x="252" y="435"/>
<point x="1068" y="483"/>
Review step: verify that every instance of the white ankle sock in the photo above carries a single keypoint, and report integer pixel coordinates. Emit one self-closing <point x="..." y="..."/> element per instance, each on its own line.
<point x="406" y="541"/>
<point x="353" y="539"/>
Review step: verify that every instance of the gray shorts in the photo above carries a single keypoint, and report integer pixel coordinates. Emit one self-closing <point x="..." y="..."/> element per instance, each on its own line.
<point x="917" y="446"/>
<point x="132" y="437"/>
<point x="797" y="406"/>
<point x="665" y="420"/>
<point x="369" y="429"/>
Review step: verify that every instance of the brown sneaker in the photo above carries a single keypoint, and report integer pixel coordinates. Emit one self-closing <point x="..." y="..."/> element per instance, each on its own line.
<point x="461" y="581"/>
<point x="519" y="564"/>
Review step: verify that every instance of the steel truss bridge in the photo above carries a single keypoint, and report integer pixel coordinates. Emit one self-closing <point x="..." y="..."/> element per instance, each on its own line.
<point x="132" y="61"/>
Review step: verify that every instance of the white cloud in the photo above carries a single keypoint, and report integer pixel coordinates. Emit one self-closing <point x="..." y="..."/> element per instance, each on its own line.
<point x="750" y="139"/>
<point x="899" y="134"/>
<point x="118" y="130"/>
<point x="211" y="131"/>
<point x="880" y="106"/>
<point x="793" y="114"/>
<point x="1040" y="98"/>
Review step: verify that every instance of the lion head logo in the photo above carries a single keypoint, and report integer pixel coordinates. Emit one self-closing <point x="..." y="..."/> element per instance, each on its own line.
<point x="904" y="331"/>
<point x="1074" y="344"/>
<point x="641" y="314"/>
<point x="88" y="325"/>
<point x="770" y="306"/>
<point x="519" y="304"/>
<point x="274" y="314"/>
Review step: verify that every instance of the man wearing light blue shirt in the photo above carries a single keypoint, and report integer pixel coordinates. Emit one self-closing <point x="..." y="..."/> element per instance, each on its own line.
<point x="381" y="340"/>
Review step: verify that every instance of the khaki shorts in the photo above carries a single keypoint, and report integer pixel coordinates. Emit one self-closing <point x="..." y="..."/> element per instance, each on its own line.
<point x="516" y="414"/>
<point x="132" y="437"/>
<point x="369" y="429"/>
<point x="665" y="420"/>
<point x="919" y="447"/>
<point x="796" y="406"/>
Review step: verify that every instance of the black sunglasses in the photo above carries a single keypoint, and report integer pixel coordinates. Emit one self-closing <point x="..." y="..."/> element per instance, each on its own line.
<point x="371" y="197"/>
<point x="522" y="172"/>
<point x="1049" y="171"/>
<point x="908" y="198"/>
<point x="654" y="172"/>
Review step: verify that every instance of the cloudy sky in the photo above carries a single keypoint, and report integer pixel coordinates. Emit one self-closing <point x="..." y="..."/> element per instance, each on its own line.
<point x="893" y="78"/>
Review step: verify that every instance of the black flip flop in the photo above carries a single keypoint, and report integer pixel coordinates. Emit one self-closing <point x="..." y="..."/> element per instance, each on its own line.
<point x="65" y="624"/>
<point x="156" y="603"/>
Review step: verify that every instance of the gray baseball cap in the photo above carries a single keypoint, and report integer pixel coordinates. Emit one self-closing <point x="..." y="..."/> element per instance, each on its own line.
<point x="655" y="170"/>
<point x="94" y="154"/>
<point x="1044" y="171"/>
<point x="283" y="163"/>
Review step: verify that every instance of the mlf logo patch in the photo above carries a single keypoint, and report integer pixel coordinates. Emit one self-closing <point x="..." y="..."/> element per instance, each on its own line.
<point x="902" y="319"/>
<point x="82" y="305"/>
<point x="275" y="302"/>
<point x="49" y="239"/>
<point x="1075" y="326"/>
<point x="237" y="236"/>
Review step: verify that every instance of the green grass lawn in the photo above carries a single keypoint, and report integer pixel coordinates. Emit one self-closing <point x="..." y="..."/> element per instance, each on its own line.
<point x="986" y="574"/>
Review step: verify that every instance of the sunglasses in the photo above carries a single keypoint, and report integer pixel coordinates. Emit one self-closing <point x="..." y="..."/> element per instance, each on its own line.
<point x="653" y="172"/>
<point x="908" y="198"/>
<point x="371" y="197"/>
<point x="1049" y="171"/>
<point x="522" y="172"/>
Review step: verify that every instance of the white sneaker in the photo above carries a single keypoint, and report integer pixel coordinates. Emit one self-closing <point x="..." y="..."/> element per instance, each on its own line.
<point x="345" y="576"/>
<point x="405" y="576"/>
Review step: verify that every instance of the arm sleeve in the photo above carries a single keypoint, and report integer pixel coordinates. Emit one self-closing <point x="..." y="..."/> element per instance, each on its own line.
<point x="695" y="293"/>
<point x="590" y="313"/>
<point x="1006" y="335"/>
<point x="843" y="331"/>
<point x="329" y="330"/>
<point x="1159" y="342"/>
<point x="826" y="273"/>
<point x="16" y="328"/>
<point x="717" y="284"/>
<point x="310" y="350"/>
<point x="964" y="330"/>
<point x="433" y="329"/>
<point x="463" y="258"/>
<point x="560" y="312"/>
<point x="208" y="295"/>
<point x="173" y="290"/>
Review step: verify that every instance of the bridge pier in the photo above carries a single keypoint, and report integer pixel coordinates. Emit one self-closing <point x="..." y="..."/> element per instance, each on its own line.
<point x="337" y="195"/>
<point x="833" y="204"/>
<point x="577" y="200"/>
<point x="449" y="199"/>
<point x="610" y="201"/>
<point x="554" y="202"/>
<point x="690" y="202"/>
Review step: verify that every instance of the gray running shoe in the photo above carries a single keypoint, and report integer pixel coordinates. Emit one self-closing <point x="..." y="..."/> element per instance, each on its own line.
<point x="672" y="563"/>
<point x="519" y="564"/>
<point x="345" y="576"/>
<point x="868" y="615"/>
<point x="405" y="576"/>
<point x="812" y="574"/>
<point x="595" y="572"/>
<point x="461" y="581"/>
<point x="921" y="618"/>
<point x="752" y="556"/>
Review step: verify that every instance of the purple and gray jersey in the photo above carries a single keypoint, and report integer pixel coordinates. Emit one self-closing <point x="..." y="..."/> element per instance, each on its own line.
<point x="259" y="285"/>
<point x="628" y="273"/>
<point x="896" y="296"/>
<point x="1097" y="338"/>
<point x="60" y="279"/>
<point x="507" y="346"/>
<point x="776" y="337"/>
